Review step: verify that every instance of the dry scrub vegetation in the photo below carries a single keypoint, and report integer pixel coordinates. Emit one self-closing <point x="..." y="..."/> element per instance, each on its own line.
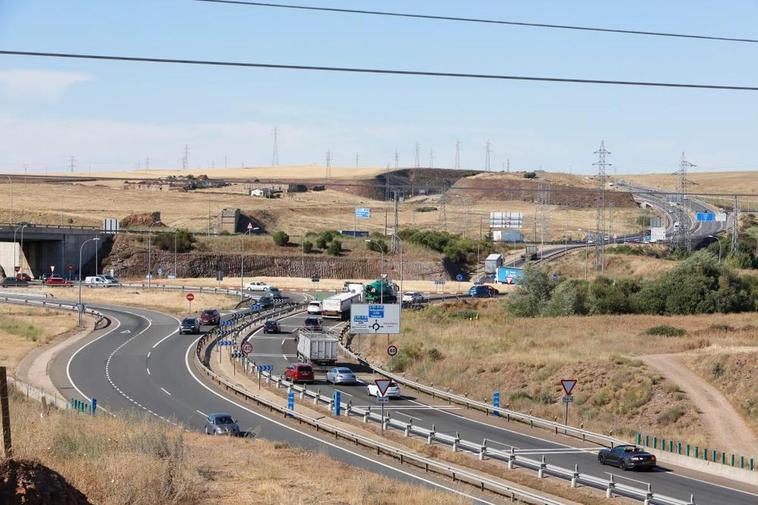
<point x="476" y="347"/>
<point x="137" y="461"/>
<point x="24" y="328"/>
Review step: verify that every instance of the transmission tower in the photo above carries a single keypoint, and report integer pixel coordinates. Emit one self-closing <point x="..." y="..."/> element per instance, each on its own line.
<point x="275" y="153"/>
<point x="431" y="158"/>
<point x="458" y="154"/>
<point x="328" y="163"/>
<point x="397" y="160"/>
<point x="71" y="163"/>
<point x="417" y="161"/>
<point x="185" y="158"/>
<point x="397" y="222"/>
<point x="600" y="227"/>
<point x="488" y="157"/>
<point x="682" y="234"/>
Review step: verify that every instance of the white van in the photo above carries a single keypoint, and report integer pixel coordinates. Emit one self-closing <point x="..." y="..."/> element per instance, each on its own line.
<point x="95" y="281"/>
<point x="314" y="307"/>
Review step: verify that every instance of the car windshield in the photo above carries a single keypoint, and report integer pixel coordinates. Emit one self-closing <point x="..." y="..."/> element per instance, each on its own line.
<point x="224" y="420"/>
<point x="207" y="312"/>
<point x="304" y="369"/>
<point x="344" y="370"/>
<point x="188" y="320"/>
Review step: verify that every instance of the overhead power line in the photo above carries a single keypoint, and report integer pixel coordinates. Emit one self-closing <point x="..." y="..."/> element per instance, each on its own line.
<point x="484" y="21"/>
<point x="382" y="71"/>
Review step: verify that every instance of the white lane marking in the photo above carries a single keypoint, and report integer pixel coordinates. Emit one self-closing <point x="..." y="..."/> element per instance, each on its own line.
<point x="68" y="364"/>
<point x="283" y="341"/>
<point x="262" y="355"/>
<point x="201" y="413"/>
<point x="165" y="391"/>
<point x="148" y="371"/>
<point x="411" y="408"/>
<point x="126" y="332"/>
<point x="164" y="338"/>
<point x="148" y="354"/>
<point x="330" y="444"/>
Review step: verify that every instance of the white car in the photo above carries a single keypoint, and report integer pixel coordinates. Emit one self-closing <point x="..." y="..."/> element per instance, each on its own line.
<point x="412" y="297"/>
<point x="314" y="307"/>
<point x="393" y="391"/>
<point x="257" y="286"/>
<point x="96" y="281"/>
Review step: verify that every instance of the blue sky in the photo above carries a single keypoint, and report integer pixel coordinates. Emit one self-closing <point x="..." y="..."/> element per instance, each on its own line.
<point x="114" y="115"/>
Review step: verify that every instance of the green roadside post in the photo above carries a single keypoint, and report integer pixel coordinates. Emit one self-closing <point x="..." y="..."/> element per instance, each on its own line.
<point x="723" y="458"/>
<point x="679" y="448"/>
<point x="647" y="440"/>
<point x="732" y="460"/>
<point x="639" y="438"/>
<point x="714" y="455"/>
<point x="697" y="454"/>
<point x="671" y="446"/>
<point x="752" y="464"/>
<point x="688" y="449"/>
<point x="655" y="442"/>
<point x="742" y="462"/>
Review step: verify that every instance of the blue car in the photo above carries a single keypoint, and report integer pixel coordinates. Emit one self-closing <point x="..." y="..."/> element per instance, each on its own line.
<point x="482" y="291"/>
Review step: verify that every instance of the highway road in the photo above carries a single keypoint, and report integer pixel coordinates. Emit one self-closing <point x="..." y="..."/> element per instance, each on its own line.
<point x="140" y="363"/>
<point x="279" y="351"/>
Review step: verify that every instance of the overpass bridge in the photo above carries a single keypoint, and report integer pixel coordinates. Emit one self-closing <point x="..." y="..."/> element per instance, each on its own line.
<point x="36" y="247"/>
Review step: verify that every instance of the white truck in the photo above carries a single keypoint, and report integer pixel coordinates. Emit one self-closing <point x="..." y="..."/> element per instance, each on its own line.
<point x="338" y="306"/>
<point x="316" y="347"/>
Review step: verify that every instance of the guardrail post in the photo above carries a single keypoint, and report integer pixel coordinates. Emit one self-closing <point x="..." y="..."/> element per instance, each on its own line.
<point x="511" y="458"/>
<point x="611" y="487"/>
<point x="575" y="476"/>
<point x="408" y="428"/>
<point x="366" y="414"/>
<point x="430" y="436"/>
<point x="318" y="395"/>
<point x="456" y="441"/>
<point x="541" y="471"/>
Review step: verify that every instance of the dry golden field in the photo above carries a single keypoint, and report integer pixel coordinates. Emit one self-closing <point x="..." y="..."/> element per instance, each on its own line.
<point x="90" y="202"/>
<point x="706" y="182"/>
<point x="23" y="328"/>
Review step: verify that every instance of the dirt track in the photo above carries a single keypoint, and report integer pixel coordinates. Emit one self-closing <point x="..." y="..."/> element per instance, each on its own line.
<point x="726" y="429"/>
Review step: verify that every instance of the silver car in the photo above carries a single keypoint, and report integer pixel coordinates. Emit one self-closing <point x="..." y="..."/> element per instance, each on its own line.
<point x="222" y="424"/>
<point x="340" y="375"/>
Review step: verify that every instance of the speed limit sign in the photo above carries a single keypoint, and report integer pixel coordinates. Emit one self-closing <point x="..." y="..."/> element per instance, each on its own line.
<point x="190" y="297"/>
<point x="392" y="350"/>
<point x="247" y="347"/>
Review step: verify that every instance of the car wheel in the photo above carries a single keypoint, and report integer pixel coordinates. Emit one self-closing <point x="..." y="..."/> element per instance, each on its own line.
<point x="624" y="466"/>
<point x="601" y="459"/>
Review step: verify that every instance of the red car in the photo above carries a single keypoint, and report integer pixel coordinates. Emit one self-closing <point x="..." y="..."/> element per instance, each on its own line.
<point x="299" y="372"/>
<point x="57" y="280"/>
<point x="210" y="317"/>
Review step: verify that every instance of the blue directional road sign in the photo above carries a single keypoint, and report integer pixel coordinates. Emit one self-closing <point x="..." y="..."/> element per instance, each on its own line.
<point x="264" y="368"/>
<point x="226" y="342"/>
<point x="291" y="400"/>
<point x="496" y="402"/>
<point x="459" y="277"/>
<point x="256" y="307"/>
<point x="705" y="216"/>
<point x="363" y="213"/>
<point x="337" y="399"/>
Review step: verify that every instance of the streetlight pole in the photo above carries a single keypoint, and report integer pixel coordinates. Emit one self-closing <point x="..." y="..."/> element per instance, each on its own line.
<point x="81" y="248"/>
<point x="149" y="261"/>
<point x="242" y="264"/>
<point x="175" y="233"/>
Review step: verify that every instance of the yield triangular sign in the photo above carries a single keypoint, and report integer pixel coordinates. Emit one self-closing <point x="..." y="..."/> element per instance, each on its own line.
<point x="568" y="385"/>
<point x="383" y="385"/>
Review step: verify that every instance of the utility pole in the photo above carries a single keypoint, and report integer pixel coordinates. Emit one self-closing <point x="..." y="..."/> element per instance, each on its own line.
<point x="397" y="160"/>
<point x="431" y="158"/>
<point x="71" y="163"/>
<point x="458" y="154"/>
<point x="600" y="229"/>
<point x="394" y="230"/>
<point x="735" y="225"/>
<point x="185" y="158"/>
<point x="356" y="160"/>
<point x="275" y="153"/>
<point x="488" y="157"/>
<point x="5" y="413"/>
<point x="147" y="163"/>
<point x="417" y="161"/>
<point x="328" y="163"/>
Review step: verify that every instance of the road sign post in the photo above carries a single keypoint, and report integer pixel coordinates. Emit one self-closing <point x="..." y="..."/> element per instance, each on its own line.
<point x="291" y="401"/>
<point x="336" y="399"/>
<point x="392" y="350"/>
<point x="459" y="278"/>
<point x="190" y="297"/>
<point x="496" y="403"/>
<point x="382" y="386"/>
<point x="568" y="387"/>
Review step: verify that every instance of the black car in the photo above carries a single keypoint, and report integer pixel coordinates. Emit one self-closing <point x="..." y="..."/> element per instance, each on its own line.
<point x="627" y="457"/>
<point x="313" y="323"/>
<point x="189" y="325"/>
<point x="271" y="326"/>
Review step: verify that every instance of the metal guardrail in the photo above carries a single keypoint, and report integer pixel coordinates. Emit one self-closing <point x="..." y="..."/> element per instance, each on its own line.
<point x="482" y="450"/>
<point x="507" y="414"/>
<point x="99" y="322"/>
<point x="405" y="457"/>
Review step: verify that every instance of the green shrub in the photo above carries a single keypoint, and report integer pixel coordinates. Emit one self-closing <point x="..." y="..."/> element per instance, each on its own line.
<point x="335" y="248"/>
<point x="718" y="369"/>
<point x="406" y="356"/>
<point x="425" y="209"/>
<point x="464" y="314"/>
<point x="307" y="246"/>
<point x="532" y="295"/>
<point x="281" y="238"/>
<point x="664" y="330"/>
<point x="434" y="354"/>
<point x="530" y="175"/>
<point x="671" y="415"/>
<point x="164" y="241"/>
<point x="377" y="245"/>
<point x="321" y="243"/>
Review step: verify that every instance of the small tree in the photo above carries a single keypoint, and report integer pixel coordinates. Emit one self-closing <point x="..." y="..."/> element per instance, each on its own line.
<point x="377" y="245"/>
<point x="335" y="248"/>
<point x="307" y="246"/>
<point x="281" y="238"/>
<point x="530" y="175"/>
<point x="321" y="243"/>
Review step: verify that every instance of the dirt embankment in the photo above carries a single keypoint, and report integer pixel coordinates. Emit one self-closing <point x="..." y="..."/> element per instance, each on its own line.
<point x="506" y="187"/>
<point x="30" y="483"/>
<point x="128" y="261"/>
